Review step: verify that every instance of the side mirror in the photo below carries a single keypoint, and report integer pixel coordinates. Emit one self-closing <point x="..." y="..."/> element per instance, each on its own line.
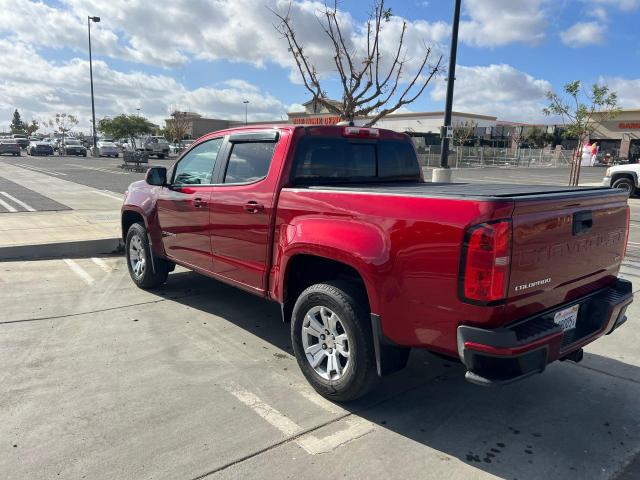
<point x="156" y="176"/>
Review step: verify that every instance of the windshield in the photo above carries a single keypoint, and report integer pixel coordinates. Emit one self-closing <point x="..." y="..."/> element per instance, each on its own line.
<point x="72" y="142"/>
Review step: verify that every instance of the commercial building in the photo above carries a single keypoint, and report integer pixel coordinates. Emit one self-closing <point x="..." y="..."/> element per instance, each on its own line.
<point x="619" y="136"/>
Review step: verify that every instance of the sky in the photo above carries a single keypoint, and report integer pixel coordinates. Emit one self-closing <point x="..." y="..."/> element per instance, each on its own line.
<point x="208" y="56"/>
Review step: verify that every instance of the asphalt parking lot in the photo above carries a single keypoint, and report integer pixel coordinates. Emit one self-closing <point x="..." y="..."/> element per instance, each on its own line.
<point x="197" y="379"/>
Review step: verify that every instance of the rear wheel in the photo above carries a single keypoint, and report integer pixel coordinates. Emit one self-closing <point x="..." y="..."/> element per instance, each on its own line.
<point x="139" y="261"/>
<point x="332" y="340"/>
<point x="625" y="184"/>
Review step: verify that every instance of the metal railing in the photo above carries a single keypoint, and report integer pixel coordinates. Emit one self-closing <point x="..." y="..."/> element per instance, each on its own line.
<point x="477" y="157"/>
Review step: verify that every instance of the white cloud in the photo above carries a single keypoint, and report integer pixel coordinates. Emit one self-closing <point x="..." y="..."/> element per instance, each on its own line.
<point x="598" y="13"/>
<point x="627" y="90"/>
<point x="171" y="32"/>
<point x="583" y="34"/>
<point x="498" y="90"/>
<point x="500" y="22"/>
<point x="64" y="87"/>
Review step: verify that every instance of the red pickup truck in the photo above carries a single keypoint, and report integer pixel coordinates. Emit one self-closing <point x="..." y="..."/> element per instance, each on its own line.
<point x="367" y="260"/>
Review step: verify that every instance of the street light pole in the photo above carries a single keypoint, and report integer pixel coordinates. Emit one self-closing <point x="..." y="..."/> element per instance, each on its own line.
<point x="93" y="107"/>
<point x="444" y="173"/>
<point x="246" y="106"/>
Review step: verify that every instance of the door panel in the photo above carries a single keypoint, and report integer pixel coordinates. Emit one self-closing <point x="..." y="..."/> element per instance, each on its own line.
<point x="184" y="219"/>
<point x="183" y="209"/>
<point x="241" y="214"/>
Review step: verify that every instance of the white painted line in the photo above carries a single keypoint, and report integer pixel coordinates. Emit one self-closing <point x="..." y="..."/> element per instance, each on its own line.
<point x="78" y="270"/>
<point x="39" y="170"/>
<point x="7" y="206"/>
<point x="97" y="169"/>
<point x="317" y="400"/>
<point x="270" y="414"/>
<point x="102" y="264"/>
<point x="104" y="194"/>
<point x="19" y="202"/>
<point x="356" y="427"/>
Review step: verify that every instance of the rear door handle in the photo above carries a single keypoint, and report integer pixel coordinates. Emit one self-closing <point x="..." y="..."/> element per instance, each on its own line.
<point x="253" y="207"/>
<point x="199" y="203"/>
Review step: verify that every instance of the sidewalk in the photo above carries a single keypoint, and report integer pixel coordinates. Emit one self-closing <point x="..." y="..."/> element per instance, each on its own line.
<point x="92" y="226"/>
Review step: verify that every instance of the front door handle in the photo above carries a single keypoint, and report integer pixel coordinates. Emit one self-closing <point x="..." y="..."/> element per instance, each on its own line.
<point x="199" y="203"/>
<point x="253" y="207"/>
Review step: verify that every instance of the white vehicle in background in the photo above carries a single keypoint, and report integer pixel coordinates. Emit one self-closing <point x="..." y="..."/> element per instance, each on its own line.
<point x="625" y="177"/>
<point x="179" y="147"/>
<point x="106" y="148"/>
<point x="151" y="144"/>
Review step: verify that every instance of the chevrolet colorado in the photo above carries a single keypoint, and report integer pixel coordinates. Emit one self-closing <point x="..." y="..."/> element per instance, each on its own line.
<point x="367" y="260"/>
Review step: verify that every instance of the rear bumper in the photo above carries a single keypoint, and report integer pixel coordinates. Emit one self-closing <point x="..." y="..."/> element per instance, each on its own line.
<point x="526" y="347"/>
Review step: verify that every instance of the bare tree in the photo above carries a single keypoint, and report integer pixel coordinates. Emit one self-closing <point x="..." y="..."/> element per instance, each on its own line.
<point x="368" y="87"/>
<point x="178" y="126"/>
<point x="463" y="132"/>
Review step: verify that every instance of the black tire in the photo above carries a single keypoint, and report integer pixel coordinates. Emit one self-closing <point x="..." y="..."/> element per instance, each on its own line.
<point x="117" y="155"/>
<point x="84" y="154"/>
<point x="161" y="156"/>
<point x="148" y="277"/>
<point x="625" y="184"/>
<point x="359" y="374"/>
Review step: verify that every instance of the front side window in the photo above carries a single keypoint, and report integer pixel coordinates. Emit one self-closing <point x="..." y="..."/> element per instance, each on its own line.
<point x="196" y="167"/>
<point x="249" y="162"/>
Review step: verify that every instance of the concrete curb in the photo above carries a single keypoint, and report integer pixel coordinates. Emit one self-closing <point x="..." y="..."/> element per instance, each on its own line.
<point x="87" y="248"/>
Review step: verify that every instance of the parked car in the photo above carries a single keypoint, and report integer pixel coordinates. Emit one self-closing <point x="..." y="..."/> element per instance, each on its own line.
<point x="9" y="145"/>
<point x="71" y="146"/>
<point x="367" y="260"/>
<point x="625" y="177"/>
<point x="107" y="148"/>
<point x="151" y="144"/>
<point x="22" y="139"/>
<point x="39" y="147"/>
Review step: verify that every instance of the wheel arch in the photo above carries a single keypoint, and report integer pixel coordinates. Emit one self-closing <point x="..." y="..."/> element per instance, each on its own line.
<point x="633" y="176"/>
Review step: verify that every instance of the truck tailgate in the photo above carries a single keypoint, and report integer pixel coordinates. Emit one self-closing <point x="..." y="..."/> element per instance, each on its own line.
<point x="566" y="246"/>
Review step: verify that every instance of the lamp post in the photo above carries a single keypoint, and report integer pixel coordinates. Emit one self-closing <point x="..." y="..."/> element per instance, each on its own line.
<point x="443" y="174"/>
<point x="93" y="107"/>
<point x="246" y="106"/>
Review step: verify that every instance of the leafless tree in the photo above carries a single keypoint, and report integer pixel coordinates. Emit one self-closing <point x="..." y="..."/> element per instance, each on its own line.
<point x="178" y="126"/>
<point x="370" y="89"/>
<point x="463" y="132"/>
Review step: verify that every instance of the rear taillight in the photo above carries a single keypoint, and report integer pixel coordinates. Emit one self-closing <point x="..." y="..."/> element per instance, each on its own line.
<point x="626" y="239"/>
<point x="486" y="260"/>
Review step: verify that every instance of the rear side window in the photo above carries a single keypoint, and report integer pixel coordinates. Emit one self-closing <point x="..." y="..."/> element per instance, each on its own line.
<point x="343" y="160"/>
<point x="249" y="162"/>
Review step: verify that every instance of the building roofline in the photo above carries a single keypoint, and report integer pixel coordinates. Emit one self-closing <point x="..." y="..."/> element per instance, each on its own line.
<point x="403" y="115"/>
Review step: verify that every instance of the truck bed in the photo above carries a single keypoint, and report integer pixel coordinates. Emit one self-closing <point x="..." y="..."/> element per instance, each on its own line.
<point x="485" y="191"/>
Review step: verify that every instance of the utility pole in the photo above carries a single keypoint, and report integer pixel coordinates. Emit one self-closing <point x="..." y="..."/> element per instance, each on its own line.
<point x="443" y="174"/>
<point x="246" y="108"/>
<point x="93" y="107"/>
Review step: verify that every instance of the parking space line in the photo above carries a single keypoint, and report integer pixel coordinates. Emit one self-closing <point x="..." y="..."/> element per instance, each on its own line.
<point x="101" y="263"/>
<point x="356" y="427"/>
<point x="19" y="202"/>
<point x="78" y="270"/>
<point x="266" y="411"/>
<point x="7" y="206"/>
<point x="105" y="194"/>
<point x="97" y="169"/>
<point x="39" y="170"/>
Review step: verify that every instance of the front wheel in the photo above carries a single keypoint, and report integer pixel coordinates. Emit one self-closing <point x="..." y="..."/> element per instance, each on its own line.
<point x="332" y="340"/>
<point x="625" y="184"/>
<point x="139" y="261"/>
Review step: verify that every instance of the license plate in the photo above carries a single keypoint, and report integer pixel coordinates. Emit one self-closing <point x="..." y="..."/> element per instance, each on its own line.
<point x="567" y="318"/>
